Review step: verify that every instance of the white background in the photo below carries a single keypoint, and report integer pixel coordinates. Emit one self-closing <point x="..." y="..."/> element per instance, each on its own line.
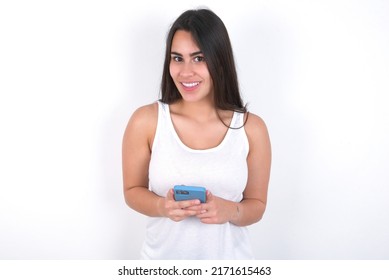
<point x="72" y="73"/>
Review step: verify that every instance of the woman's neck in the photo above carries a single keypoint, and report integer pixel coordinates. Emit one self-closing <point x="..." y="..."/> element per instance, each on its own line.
<point x="201" y="110"/>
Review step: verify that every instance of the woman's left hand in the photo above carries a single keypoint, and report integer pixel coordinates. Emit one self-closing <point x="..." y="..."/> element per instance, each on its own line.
<point x="217" y="210"/>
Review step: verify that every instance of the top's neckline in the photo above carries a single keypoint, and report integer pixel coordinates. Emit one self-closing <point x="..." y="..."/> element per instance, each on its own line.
<point x="207" y="150"/>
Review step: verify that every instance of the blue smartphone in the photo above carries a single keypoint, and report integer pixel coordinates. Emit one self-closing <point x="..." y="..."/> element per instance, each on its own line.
<point x="182" y="192"/>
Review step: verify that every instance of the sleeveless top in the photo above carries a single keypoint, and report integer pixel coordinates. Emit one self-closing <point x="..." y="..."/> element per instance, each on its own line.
<point x="222" y="170"/>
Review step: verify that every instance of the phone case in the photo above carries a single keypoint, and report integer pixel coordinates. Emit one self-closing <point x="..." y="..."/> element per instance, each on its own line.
<point x="182" y="192"/>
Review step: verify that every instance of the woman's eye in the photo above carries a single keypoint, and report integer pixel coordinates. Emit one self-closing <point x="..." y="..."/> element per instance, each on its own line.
<point x="199" y="59"/>
<point x="177" y="58"/>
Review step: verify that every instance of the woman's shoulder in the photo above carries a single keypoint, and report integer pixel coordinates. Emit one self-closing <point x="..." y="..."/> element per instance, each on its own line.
<point x="146" y="111"/>
<point x="144" y="118"/>
<point x="145" y="115"/>
<point x="255" y="127"/>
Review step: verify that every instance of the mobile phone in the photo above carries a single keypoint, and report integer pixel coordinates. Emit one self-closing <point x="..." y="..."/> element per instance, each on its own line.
<point x="182" y="192"/>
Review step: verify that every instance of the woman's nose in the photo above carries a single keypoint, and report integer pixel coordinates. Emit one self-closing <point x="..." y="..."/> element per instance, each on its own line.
<point x="186" y="70"/>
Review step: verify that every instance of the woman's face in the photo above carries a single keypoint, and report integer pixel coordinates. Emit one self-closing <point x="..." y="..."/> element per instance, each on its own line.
<point x="189" y="69"/>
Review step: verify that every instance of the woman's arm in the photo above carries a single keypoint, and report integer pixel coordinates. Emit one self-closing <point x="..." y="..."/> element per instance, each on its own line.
<point x="136" y="154"/>
<point x="252" y="207"/>
<point x="254" y="200"/>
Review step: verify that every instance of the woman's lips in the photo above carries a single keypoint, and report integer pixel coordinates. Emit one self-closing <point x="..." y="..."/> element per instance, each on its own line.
<point x="189" y="86"/>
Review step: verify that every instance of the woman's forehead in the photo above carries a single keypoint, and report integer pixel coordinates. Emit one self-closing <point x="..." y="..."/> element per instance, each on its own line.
<point x="183" y="42"/>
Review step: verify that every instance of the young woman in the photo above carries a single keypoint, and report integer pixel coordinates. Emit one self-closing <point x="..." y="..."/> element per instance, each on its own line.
<point x="199" y="133"/>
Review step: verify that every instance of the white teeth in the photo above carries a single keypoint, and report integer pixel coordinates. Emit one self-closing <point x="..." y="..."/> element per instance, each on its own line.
<point x="190" y="84"/>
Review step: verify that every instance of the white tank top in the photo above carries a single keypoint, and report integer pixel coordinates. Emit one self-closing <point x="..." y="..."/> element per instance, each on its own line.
<point x="222" y="170"/>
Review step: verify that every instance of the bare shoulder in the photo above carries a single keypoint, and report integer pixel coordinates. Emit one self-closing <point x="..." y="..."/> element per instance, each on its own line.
<point x="143" y="122"/>
<point x="144" y="117"/>
<point x="145" y="114"/>
<point x="255" y="127"/>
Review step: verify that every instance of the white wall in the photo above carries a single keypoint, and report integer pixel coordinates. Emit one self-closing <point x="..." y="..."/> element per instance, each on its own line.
<point x="73" y="72"/>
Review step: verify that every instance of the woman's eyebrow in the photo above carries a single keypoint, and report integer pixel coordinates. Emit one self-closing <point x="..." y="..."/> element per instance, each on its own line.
<point x="191" y="55"/>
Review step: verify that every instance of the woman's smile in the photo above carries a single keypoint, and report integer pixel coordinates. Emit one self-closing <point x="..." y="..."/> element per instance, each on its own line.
<point x="190" y="86"/>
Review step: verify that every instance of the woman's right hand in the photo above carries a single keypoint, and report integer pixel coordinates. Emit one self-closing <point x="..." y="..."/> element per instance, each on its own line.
<point x="177" y="210"/>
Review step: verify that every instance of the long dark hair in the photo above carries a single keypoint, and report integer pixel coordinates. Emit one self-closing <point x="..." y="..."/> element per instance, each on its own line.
<point x="210" y="34"/>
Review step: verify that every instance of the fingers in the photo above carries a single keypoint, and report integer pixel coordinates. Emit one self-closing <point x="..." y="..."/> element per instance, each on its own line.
<point x="205" y="209"/>
<point x="215" y="210"/>
<point x="183" y="203"/>
<point x="170" y="195"/>
<point x="209" y="196"/>
<point x="179" y="210"/>
<point x="187" y="204"/>
<point x="207" y="215"/>
<point x="179" y="214"/>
